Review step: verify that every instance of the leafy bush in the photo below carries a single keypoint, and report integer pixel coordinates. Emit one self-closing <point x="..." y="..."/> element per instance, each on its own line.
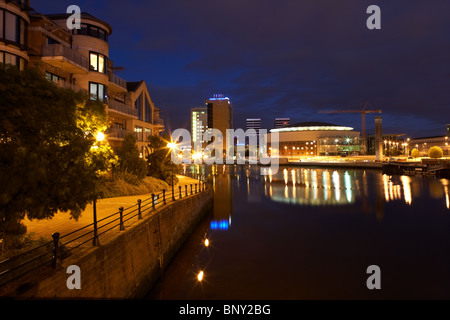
<point x="435" y="152"/>
<point x="415" y="153"/>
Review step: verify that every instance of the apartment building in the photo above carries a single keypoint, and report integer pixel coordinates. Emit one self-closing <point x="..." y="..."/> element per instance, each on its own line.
<point x="79" y="59"/>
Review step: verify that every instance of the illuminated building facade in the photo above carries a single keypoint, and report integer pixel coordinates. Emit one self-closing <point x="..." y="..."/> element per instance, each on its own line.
<point x="423" y="144"/>
<point x="199" y="124"/>
<point x="315" y="138"/>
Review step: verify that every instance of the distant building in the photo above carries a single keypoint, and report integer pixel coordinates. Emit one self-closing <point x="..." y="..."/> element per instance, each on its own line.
<point x="423" y="144"/>
<point x="281" y="122"/>
<point x="254" y="123"/>
<point x="315" y="139"/>
<point x="220" y="114"/>
<point x="199" y="124"/>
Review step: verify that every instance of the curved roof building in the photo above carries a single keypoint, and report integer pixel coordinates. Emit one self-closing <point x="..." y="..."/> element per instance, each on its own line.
<point x="314" y="138"/>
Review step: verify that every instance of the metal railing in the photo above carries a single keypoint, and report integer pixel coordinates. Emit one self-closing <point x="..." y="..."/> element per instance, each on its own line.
<point x="121" y="107"/>
<point x="51" y="253"/>
<point x="59" y="50"/>
<point x="118" y="80"/>
<point x="159" y="121"/>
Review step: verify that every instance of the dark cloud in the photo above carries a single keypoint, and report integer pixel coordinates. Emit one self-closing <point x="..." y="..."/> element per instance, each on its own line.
<point x="286" y="57"/>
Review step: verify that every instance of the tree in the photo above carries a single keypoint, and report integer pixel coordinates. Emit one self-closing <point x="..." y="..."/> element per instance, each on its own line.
<point x="159" y="161"/>
<point x="129" y="157"/>
<point x="415" y="153"/>
<point x="435" y="152"/>
<point x="49" y="157"/>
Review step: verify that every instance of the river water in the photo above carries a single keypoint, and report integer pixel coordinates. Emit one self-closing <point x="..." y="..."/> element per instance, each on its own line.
<point x="312" y="233"/>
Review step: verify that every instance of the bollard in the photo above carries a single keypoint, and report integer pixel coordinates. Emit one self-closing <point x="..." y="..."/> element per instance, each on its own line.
<point x="185" y="190"/>
<point x="121" y="226"/>
<point x="139" y="209"/>
<point x="153" y="200"/>
<point x="55" y="237"/>
<point x="180" y="191"/>
<point x="164" y="196"/>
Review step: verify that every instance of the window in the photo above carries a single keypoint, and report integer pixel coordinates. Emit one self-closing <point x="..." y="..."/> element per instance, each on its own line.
<point x="51" y="41"/>
<point x="53" y="77"/>
<point x="97" y="62"/>
<point x="148" y="111"/>
<point x="98" y="91"/>
<point x="148" y="133"/>
<point x="12" y="27"/>
<point x="12" y="59"/>
<point x="92" y="31"/>
<point x="139" y="134"/>
<point x="138" y="106"/>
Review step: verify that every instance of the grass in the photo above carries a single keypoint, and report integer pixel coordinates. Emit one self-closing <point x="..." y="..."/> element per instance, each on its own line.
<point x="125" y="184"/>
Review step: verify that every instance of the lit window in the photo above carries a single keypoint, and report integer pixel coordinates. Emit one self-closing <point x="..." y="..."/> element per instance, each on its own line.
<point x="97" y="91"/>
<point x="97" y="62"/>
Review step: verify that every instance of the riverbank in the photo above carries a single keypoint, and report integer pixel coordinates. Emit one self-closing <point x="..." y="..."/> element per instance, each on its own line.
<point x="128" y="260"/>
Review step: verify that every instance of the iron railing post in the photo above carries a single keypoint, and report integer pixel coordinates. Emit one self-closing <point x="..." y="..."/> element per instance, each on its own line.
<point x="153" y="201"/>
<point x="139" y="209"/>
<point x="55" y="237"/>
<point x="95" y="241"/>
<point x="121" y="227"/>
<point x="179" y="188"/>
<point x="164" y="196"/>
<point x="185" y="190"/>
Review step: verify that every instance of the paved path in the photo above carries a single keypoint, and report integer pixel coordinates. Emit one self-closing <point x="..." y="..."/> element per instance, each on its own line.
<point x="64" y="224"/>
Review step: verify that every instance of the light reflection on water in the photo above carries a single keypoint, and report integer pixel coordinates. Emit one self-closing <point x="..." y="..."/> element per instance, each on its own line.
<point x="348" y="220"/>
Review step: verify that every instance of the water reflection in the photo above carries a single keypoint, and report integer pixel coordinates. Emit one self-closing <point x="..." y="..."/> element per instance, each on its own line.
<point x="307" y="186"/>
<point x="272" y="231"/>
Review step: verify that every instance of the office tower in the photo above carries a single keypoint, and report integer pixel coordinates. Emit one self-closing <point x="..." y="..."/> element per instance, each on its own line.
<point x="281" y="122"/>
<point x="254" y="123"/>
<point x="199" y="124"/>
<point x="220" y="115"/>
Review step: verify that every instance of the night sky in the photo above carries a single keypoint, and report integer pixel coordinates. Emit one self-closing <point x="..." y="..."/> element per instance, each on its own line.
<point x="285" y="58"/>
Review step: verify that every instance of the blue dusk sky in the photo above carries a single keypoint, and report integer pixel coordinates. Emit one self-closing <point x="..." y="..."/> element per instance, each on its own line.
<point x="285" y="58"/>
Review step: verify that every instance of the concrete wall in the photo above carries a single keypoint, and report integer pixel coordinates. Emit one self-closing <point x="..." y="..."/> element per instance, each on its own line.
<point x="126" y="266"/>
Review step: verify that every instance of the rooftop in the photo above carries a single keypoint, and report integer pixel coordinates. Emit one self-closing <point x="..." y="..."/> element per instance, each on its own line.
<point x="311" y="126"/>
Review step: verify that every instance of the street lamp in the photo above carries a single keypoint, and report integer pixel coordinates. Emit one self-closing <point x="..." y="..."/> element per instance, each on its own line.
<point x="100" y="136"/>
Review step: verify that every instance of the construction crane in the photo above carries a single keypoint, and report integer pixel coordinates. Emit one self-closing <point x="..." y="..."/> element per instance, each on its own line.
<point x="363" y="116"/>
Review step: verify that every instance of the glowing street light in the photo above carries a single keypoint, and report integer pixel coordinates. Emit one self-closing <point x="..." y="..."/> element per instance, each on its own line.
<point x="200" y="276"/>
<point x="100" y="136"/>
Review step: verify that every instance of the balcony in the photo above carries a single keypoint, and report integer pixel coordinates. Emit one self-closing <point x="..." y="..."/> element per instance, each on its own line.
<point x="68" y="85"/>
<point x="116" y="83"/>
<point x="158" y="122"/>
<point x="117" y="106"/>
<point x="117" y="133"/>
<point x="65" y="58"/>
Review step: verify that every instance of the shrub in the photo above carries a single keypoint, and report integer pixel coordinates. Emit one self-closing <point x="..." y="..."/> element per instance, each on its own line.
<point x="435" y="152"/>
<point x="415" y="153"/>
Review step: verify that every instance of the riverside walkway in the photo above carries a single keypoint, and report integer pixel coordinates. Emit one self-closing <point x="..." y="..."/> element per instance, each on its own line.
<point x="64" y="224"/>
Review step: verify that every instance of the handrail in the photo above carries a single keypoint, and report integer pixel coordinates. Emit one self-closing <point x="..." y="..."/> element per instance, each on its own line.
<point x="56" y="250"/>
